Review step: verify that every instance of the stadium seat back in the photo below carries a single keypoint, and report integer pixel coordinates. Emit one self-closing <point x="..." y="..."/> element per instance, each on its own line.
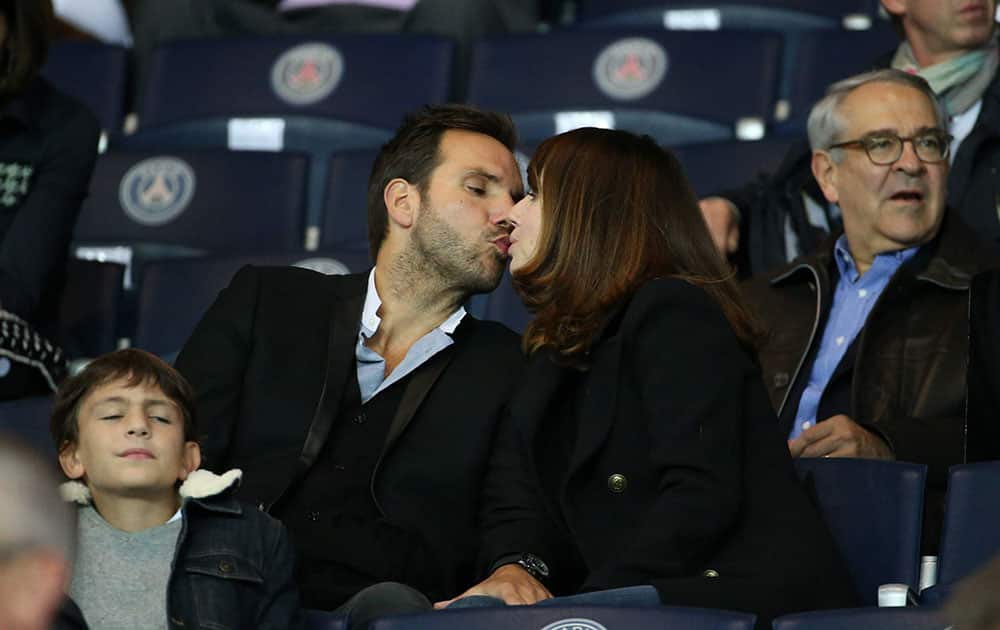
<point x="677" y="87"/>
<point x="874" y="510"/>
<point x="971" y="533"/>
<point x="93" y="73"/>
<point x="174" y="294"/>
<point x="570" y="618"/>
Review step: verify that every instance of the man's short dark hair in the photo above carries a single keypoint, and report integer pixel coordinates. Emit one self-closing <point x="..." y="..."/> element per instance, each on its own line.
<point x="412" y="154"/>
<point x="27" y="44"/>
<point x="138" y="367"/>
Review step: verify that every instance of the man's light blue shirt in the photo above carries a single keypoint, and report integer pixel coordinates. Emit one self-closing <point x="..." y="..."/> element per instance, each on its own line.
<point x="853" y="299"/>
<point x="371" y="365"/>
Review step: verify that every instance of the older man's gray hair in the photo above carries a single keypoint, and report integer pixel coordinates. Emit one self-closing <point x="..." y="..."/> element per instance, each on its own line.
<point x="825" y="122"/>
<point x="33" y="516"/>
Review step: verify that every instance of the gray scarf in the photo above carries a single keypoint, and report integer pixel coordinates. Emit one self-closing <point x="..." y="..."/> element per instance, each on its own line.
<point x="959" y="82"/>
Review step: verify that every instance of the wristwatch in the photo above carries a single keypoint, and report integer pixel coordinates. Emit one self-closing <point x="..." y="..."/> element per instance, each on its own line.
<point x="534" y="565"/>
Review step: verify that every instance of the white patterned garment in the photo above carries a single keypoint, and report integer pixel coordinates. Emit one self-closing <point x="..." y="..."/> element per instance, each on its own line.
<point x="20" y="343"/>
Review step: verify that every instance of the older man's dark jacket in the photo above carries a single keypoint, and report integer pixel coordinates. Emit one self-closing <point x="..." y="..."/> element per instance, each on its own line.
<point x="908" y="382"/>
<point x="771" y="205"/>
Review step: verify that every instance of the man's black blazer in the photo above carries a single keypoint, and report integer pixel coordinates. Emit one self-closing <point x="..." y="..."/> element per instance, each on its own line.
<point x="258" y="361"/>
<point x="676" y="475"/>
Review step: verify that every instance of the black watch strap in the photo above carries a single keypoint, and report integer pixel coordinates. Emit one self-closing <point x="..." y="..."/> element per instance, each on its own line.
<point x="535" y="566"/>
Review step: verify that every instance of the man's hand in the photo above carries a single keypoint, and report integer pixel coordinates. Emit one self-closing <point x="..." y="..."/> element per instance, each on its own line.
<point x="722" y="218"/>
<point x="511" y="583"/>
<point x="839" y="436"/>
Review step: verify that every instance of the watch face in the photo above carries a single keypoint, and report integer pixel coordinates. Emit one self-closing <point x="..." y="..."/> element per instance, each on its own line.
<point x="535" y="565"/>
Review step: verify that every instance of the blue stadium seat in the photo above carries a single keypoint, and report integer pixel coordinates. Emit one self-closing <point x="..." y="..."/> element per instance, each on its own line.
<point x="345" y="206"/>
<point x="823" y="58"/>
<point x="859" y="618"/>
<point x="315" y="94"/>
<point x="706" y="14"/>
<point x="27" y="419"/>
<point x="971" y="533"/>
<point x="677" y="87"/>
<point x="89" y="308"/>
<point x="195" y="202"/>
<point x="174" y="294"/>
<point x="570" y="618"/>
<point x="322" y="620"/>
<point x="713" y="167"/>
<point x="93" y="73"/>
<point x="874" y="510"/>
<point x="502" y="305"/>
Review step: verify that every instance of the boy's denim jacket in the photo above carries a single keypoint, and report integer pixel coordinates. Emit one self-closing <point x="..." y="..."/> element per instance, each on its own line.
<point x="233" y="565"/>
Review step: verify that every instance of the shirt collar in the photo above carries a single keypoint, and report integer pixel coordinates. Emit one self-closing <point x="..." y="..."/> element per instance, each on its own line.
<point x="886" y="260"/>
<point x="369" y="314"/>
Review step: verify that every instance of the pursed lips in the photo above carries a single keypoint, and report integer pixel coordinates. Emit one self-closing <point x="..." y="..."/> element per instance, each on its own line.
<point x="503" y="243"/>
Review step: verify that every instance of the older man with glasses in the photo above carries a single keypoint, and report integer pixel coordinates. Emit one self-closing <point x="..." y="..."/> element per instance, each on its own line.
<point x="868" y="344"/>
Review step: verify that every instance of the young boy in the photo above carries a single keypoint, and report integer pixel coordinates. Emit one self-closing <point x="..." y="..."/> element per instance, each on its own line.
<point x="154" y="552"/>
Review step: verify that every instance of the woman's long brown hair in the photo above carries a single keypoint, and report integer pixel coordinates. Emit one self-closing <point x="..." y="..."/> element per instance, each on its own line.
<point x="617" y="210"/>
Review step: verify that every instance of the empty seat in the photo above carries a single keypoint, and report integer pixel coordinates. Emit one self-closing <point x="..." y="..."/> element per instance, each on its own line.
<point x="714" y="14"/>
<point x="852" y="619"/>
<point x="345" y="205"/>
<point x="677" y="87"/>
<point x="174" y="294"/>
<point x="94" y="74"/>
<point x="502" y="305"/>
<point x="823" y="58"/>
<point x="971" y="534"/>
<point x="163" y="204"/>
<point x="308" y="93"/>
<point x="713" y="167"/>
<point x="874" y="510"/>
<point x="570" y="618"/>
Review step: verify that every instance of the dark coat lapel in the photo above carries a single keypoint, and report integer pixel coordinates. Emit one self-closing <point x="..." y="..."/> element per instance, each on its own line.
<point x="344" y="319"/>
<point x="596" y="409"/>
<point x="417" y="387"/>
<point x="422" y="380"/>
<point x="539" y="384"/>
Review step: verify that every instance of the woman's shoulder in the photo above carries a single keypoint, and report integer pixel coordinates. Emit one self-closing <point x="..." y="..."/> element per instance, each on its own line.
<point x="672" y="295"/>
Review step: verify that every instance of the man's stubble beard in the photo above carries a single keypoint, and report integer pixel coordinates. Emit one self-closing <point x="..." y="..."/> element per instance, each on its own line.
<point x="442" y="254"/>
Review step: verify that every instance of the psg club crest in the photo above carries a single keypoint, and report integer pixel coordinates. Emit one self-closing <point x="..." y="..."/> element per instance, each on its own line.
<point x="307" y="74"/>
<point x="574" y="624"/>
<point x="157" y="190"/>
<point x="630" y="68"/>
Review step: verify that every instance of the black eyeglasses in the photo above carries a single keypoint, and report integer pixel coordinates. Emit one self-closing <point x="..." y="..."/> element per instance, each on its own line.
<point x="885" y="148"/>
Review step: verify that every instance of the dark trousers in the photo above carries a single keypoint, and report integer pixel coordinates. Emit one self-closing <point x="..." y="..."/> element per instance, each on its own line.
<point x="382" y="600"/>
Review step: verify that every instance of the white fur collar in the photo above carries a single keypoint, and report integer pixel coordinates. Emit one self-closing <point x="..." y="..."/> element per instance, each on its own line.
<point x="199" y="485"/>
